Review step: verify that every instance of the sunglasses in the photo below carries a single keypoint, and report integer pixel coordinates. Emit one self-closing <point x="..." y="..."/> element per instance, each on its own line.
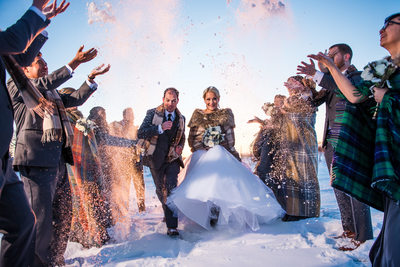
<point x="389" y="22"/>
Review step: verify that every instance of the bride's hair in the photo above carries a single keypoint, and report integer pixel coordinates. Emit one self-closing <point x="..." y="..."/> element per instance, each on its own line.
<point x="211" y="89"/>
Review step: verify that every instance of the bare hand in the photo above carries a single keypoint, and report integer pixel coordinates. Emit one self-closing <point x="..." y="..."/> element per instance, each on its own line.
<point x="52" y="10"/>
<point x="178" y="150"/>
<point x="379" y="93"/>
<point x="82" y="56"/>
<point x="322" y="58"/>
<point x="307" y="69"/>
<point x="40" y="4"/>
<point x="256" y="120"/>
<point x="167" y="125"/>
<point x="100" y="70"/>
<point x="85" y="56"/>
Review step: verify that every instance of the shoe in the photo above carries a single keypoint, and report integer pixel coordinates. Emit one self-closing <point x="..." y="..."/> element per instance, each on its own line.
<point x="350" y="246"/>
<point x="346" y="234"/>
<point x="172" y="232"/>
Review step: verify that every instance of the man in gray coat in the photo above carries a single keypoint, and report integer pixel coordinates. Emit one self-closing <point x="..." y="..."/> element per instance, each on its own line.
<point x="42" y="151"/>
<point x="355" y="215"/>
<point x="17" y="221"/>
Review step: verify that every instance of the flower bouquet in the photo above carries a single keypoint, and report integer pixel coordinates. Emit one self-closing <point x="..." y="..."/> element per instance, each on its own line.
<point x="213" y="136"/>
<point x="85" y="126"/>
<point x="377" y="74"/>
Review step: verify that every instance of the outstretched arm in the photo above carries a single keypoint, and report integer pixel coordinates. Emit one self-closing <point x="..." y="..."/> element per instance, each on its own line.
<point x="344" y="84"/>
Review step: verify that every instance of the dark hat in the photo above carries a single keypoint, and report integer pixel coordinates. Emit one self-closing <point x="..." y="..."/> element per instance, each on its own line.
<point x="392" y="17"/>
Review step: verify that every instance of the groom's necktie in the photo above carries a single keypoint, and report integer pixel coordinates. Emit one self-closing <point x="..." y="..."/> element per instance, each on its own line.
<point x="169" y="117"/>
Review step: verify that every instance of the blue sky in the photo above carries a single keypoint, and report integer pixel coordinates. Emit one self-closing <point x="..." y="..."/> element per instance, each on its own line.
<point x="192" y="44"/>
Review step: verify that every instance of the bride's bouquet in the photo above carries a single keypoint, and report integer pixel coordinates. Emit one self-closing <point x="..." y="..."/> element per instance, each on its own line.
<point x="213" y="136"/>
<point x="84" y="125"/>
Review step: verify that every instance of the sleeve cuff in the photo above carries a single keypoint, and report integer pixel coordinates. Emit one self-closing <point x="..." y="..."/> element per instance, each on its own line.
<point x="318" y="77"/>
<point x="38" y="12"/>
<point x="92" y="86"/>
<point x="45" y="33"/>
<point x="160" y="130"/>
<point x="71" y="71"/>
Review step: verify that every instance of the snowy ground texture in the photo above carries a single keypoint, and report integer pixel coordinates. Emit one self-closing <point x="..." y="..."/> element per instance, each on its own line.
<point x="304" y="243"/>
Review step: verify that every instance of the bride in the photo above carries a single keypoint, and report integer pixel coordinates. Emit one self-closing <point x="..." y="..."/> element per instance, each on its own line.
<point x="217" y="188"/>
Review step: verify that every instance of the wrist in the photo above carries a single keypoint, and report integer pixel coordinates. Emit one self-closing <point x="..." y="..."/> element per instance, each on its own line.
<point x="91" y="77"/>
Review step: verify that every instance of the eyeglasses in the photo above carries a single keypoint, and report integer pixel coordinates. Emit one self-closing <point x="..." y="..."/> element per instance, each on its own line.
<point x="333" y="54"/>
<point x="389" y="22"/>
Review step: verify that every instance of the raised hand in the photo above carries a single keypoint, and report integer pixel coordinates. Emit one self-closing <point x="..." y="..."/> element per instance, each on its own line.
<point x="307" y="69"/>
<point x="323" y="58"/>
<point x="82" y="57"/>
<point x="256" y="120"/>
<point x="100" y="70"/>
<point x="52" y="10"/>
<point x="40" y="4"/>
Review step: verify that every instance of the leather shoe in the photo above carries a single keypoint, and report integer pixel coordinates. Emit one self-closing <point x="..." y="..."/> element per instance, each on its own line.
<point x="172" y="232"/>
<point x="354" y="244"/>
<point x="346" y="234"/>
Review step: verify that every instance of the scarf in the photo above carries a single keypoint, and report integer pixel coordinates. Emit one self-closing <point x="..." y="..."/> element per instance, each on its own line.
<point x="150" y="145"/>
<point x="33" y="99"/>
<point x="54" y="124"/>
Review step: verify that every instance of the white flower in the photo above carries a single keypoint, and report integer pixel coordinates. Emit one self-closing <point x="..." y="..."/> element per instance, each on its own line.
<point x="212" y="136"/>
<point x="380" y="69"/>
<point x="367" y="74"/>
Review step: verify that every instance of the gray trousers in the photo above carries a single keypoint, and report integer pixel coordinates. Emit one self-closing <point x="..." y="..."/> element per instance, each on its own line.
<point x="385" y="251"/>
<point x="355" y="215"/>
<point x="17" y="221"/>
<point x="49" y="194"/>
<point x="166" y="179"/>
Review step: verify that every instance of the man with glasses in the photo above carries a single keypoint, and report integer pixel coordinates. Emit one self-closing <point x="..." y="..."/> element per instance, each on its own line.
<point x="355" y="215"/>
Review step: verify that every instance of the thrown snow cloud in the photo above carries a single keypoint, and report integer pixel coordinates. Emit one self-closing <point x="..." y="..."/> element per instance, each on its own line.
<point x="251" y="12"/>
<point x="96" y="14"/>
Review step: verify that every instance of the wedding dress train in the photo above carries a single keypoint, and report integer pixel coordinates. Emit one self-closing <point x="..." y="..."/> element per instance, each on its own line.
<point x="217" y="185"/>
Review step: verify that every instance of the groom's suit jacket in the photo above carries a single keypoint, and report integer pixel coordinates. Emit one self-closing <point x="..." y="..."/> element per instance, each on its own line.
<point x="164" y="141"/>
<point x="29" y="150"/>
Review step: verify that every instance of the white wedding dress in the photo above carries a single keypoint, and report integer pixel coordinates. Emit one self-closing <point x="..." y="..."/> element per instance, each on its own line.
<point x="215" y="178"/>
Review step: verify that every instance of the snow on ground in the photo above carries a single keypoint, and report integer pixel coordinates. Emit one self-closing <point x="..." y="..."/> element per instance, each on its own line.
<point x="304" y="243"/>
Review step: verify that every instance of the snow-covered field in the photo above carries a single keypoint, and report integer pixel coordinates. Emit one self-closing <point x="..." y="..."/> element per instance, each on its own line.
<point x="304" y="243"/>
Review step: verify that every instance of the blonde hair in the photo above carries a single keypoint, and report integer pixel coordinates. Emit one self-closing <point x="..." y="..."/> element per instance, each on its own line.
<point x="211" y="89"/>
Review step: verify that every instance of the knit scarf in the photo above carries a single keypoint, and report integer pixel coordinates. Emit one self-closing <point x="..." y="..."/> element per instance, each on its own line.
<point x="55" y="124"/>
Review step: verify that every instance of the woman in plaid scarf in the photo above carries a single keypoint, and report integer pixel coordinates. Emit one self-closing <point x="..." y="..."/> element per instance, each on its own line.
<point x="294" y="172"/>
<point x="367" y="156"/>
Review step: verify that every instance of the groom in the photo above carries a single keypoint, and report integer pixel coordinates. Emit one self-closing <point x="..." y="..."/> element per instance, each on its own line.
<point x="163" y="135"/>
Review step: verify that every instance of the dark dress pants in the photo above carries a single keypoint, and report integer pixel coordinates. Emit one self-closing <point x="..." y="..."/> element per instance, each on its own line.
<point x="355" y="215"/>
<point x="17" y="221"/>
<point x="48" y="192"/>
<point x="385" y="251"/>
<point x="166" y="179"/>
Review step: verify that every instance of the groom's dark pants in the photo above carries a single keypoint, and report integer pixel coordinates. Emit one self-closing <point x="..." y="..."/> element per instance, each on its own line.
<point x="165" y="179"/>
